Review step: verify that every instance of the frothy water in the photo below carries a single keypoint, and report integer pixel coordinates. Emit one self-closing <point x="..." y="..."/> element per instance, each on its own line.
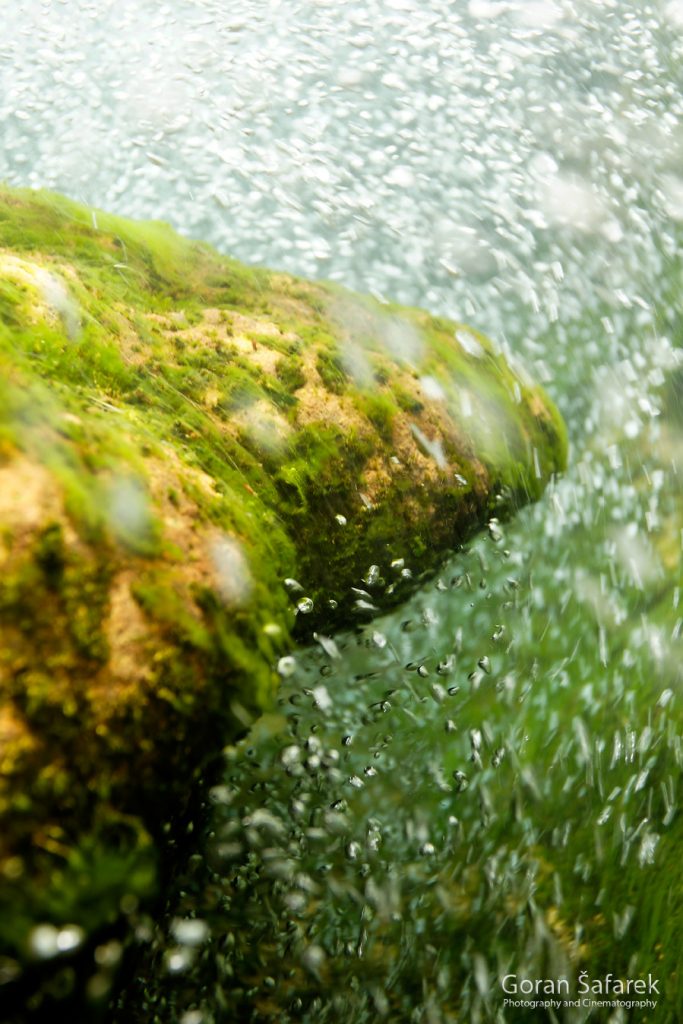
<point x="487" y="780"/>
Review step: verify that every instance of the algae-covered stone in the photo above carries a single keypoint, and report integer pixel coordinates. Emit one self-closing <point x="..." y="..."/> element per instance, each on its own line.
<point x="199" y="460"/>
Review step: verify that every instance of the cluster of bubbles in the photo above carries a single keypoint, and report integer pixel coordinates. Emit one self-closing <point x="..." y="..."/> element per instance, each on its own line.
<point x="375" y="849"/>
<point x="454" y="790"/>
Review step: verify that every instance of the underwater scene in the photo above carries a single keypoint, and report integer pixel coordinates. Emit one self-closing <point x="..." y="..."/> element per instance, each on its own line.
<point x="341" y="511"/>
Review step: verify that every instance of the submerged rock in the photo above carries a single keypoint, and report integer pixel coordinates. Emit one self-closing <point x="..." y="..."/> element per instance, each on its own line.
<point x="199" y="461"/>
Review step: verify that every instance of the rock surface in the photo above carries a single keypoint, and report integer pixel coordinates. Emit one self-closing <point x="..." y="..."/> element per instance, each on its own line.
<point x="200" y="461"/>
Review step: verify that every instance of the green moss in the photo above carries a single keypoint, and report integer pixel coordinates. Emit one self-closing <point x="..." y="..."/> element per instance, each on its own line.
<point x="156" y="595"/>
<point x="52" y="607"/>
<point x="407" y="401"/>
<point x="12" y="301"/>
<point x="331" y="370"/>
<point x="86" y="882"/>
<point x="290" y="373"/>
<point x="145" y="263"/>
<point x="320" y="462"/>
<point x="380" y="409"/>
<point x="241" y="389"/>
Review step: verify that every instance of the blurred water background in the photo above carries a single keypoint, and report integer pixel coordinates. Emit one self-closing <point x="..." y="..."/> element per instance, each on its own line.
<point x="486" y="781"/>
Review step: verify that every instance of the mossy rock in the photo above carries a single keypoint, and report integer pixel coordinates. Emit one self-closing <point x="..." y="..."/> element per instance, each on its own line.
<point x="179" y="436"/>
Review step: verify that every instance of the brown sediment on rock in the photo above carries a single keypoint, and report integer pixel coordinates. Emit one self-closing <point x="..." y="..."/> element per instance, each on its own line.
<point x="29" y="497"/>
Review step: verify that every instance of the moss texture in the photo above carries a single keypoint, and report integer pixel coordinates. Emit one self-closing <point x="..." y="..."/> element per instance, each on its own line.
<point x="179" y="436"/>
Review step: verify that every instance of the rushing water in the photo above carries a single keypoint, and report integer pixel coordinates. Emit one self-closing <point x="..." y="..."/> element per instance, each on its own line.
<point x="485" y="782"/>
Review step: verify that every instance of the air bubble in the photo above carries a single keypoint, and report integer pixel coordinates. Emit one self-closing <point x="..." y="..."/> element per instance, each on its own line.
<point x="286" y="666"/>
<point x="189" y="932"/>
<point x="328" y="645"/>
<point x="495" y="532"/>
<point x="372" y="576"/>
<point x="179" y="959"/>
